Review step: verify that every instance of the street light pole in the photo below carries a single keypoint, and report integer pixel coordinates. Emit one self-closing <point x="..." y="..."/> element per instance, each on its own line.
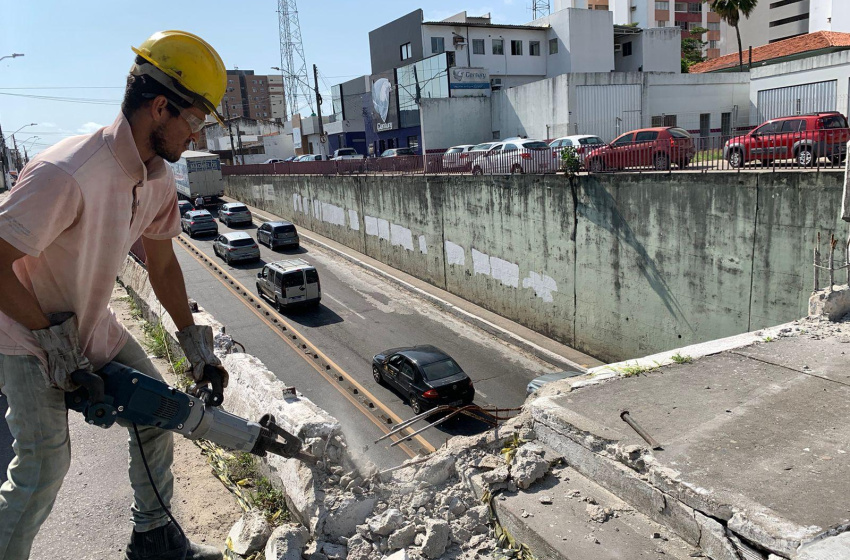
<point x="3" y="163"/>
<point x="17" y="155"/>
<point x="13" y="55"/>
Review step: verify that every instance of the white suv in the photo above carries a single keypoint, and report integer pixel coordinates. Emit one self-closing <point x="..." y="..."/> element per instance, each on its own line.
<point x="346" y="153"/>
<point x="516" y="156"/>
<point x="457" y="157"/>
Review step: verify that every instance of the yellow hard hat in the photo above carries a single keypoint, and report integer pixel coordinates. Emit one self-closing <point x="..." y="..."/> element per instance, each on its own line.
<point x="187" y="65"/>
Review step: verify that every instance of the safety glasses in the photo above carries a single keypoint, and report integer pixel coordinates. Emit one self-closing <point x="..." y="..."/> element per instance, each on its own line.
<point x="195" y="123"/>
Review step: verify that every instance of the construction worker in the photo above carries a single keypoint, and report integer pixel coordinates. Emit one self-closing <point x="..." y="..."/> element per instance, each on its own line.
<point x="65" y="230"/>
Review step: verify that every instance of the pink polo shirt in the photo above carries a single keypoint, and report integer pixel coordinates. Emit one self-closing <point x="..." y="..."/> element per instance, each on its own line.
<point x="72" y="213"/>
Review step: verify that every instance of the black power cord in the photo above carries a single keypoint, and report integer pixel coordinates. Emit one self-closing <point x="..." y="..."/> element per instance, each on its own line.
<point x="156" y="491"/>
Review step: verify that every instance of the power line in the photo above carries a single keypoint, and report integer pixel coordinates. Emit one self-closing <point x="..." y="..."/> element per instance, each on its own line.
<point x="83" y="100"/>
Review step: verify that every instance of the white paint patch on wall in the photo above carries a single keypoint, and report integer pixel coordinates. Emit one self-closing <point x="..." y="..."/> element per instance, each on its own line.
<point x="504" y="271"/>
<point x="455" y="254"/>
<point x="371" y="225"/>
<point x="269" y="190"/>
<point x="353" y="220"/>
<point x="480" y="262"/>
<point x="401" y="236"/>
<point x="317" y="209"/>
<point x="256" y="191"/>
<point x="543" y="285"/>
<point x="423" y="247"/>
<point x="305" y="206"/>
<point x="333" y="214"/>
<point x="296" y="202"/>
<point x="383" y="229"/>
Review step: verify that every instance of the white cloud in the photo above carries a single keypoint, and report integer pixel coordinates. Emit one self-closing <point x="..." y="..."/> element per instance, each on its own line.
<point x="89" y="128"/>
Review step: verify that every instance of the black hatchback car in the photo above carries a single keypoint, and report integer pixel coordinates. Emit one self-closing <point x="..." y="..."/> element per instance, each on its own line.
<point x="426" y="375"/>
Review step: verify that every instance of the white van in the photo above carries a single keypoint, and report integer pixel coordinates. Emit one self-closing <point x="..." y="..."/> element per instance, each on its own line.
<point x="290" y="282"/>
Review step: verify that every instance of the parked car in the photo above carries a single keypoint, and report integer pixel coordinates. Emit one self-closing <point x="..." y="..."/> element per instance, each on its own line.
<point x="312" y="157"/>
<point x="278" y="234"/>
<point x="581" y="143"/>
<point x="647" y="147"/>
<point x="234" y="213"/>
<point x="290" y="282"/>
<point x="290" y="158"/>
<point x="195" y="222"/>
<point x="457" y="157"/>
<point x="539" y="382"/>
<point x="397" y="152"/>
<point x="276" y="160"/>
<point x="184" y="206"/>
<point x="346" y="153"/>
<point x="516" y="156"/>
<point x="805" y="138"/>
<point x="236" y="246"/>
<point x="425" y="375"/>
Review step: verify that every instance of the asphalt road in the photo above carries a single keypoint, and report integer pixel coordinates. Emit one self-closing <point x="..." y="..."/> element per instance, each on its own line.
<point x="361" y="314"/>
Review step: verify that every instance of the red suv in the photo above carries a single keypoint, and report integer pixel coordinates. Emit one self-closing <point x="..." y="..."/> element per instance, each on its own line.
<point x="805" y="138"/>
<point x="647" y="147"/>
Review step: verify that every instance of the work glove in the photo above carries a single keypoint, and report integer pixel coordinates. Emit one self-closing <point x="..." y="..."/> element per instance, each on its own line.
<point x="197" y="344"/>
<point x="61" y="342"/>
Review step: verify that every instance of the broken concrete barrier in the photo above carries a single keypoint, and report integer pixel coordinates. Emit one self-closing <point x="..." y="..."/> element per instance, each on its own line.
<point x="249" y="534"/>
<point x="286" y="543"/>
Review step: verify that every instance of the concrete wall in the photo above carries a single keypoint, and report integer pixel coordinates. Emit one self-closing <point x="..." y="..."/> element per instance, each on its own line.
<point x="461" y="120"/>
<point x="385" y="42"/>
<point x="689" y="95"/>
<point x="619" y="266"/>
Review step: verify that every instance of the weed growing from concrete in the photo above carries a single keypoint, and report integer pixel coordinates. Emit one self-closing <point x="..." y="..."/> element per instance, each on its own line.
<point x="679" y="359"/>
<point x="769" y="339"/>
<point x="636" y="369"/>
<point x="241" y="470"/>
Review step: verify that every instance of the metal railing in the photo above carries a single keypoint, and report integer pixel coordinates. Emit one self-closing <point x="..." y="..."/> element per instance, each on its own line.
<point x="830" y="265"/>
<point x="810" y="150"/>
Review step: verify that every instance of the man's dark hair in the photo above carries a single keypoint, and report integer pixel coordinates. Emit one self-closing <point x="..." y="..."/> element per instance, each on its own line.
<point x="142" y="89"/>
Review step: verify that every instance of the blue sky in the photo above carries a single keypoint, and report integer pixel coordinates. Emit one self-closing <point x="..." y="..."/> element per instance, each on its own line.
<point x="85" y="46"/>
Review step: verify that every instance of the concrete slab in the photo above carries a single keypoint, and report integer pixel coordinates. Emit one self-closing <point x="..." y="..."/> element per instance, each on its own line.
<point x="762" y="428"/>
<point x="564" y="530"/>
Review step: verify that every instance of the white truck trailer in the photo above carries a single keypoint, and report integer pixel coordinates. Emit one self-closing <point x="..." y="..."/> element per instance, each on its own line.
<point x="198" y="174"/>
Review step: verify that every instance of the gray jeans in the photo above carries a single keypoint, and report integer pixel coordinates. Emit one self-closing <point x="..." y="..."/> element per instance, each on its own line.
<point x="38" y="421"/>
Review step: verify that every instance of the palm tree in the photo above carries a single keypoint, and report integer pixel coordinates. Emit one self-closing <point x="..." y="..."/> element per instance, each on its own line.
<point x="731" y="11"/>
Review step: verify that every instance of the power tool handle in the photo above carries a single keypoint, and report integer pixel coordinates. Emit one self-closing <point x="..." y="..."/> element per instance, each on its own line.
<point x="214" y="394"/>
<point x="91" y="382"/>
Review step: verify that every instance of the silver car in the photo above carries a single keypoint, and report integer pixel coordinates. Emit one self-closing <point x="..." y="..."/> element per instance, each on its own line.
<point x="236" y="246"/>
<point x="194" y="222"/>
<point x="234" y="213"/>
<point x="516" y="156"/>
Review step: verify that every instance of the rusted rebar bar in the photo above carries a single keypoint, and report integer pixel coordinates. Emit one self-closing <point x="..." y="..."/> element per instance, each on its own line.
<point x="817" y="262"/>
<point x="640" y="431"/>
<point x="832" y="243"/>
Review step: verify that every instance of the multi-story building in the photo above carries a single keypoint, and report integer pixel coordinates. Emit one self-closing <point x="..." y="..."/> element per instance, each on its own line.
<point x="252" y="95"/>
<point x="776" y="20"/>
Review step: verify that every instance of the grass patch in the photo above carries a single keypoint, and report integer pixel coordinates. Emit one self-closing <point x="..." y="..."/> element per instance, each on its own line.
<point x="631" y="371"/>
<point x="679" y="359"/>
<point x="259" y="492"/>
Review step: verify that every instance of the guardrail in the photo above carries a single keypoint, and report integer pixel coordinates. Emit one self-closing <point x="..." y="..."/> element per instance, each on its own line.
<point x="810" y="150"/>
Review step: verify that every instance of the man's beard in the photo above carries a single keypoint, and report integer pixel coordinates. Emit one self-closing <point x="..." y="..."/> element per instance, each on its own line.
<point x="160" y="146"/>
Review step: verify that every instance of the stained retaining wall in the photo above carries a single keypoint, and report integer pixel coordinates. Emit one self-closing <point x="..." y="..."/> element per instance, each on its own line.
<point x="616" y="266"/>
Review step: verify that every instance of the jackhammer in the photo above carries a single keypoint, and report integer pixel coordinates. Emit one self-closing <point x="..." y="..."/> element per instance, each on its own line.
<point x="118" y="391"/>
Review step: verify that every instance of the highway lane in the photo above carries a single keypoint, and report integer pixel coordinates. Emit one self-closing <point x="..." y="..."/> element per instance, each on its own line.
<point x="363" y="313"/>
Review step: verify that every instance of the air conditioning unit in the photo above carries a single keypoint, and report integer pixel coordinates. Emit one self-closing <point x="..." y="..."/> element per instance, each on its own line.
<point x="496" y="84"/>
<point x="618" y="47"/>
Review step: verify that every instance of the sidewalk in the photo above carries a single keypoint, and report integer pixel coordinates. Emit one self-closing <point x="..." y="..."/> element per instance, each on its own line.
<point x="755" y="440"/>
<point x="91" y="518"/>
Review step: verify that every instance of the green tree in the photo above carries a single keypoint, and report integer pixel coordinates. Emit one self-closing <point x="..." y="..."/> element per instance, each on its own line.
<point x="731" y="11"/>
<point x="692" y="48"/>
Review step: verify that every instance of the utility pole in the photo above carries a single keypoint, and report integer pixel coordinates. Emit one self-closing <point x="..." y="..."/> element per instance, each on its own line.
<point x="230" y="130"/>
<point x="239" y="142"/>
<point x="3" y="163"/>
<point x="17" y="154"/>
<point x="319" y="108"/>
<point x="418" y="100"/>
<point x="26" y="155"/>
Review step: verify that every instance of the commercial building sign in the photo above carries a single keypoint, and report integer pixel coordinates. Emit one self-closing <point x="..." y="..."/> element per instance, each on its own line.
<point x="384" y="101"/>
<point x="469" y="82"/>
